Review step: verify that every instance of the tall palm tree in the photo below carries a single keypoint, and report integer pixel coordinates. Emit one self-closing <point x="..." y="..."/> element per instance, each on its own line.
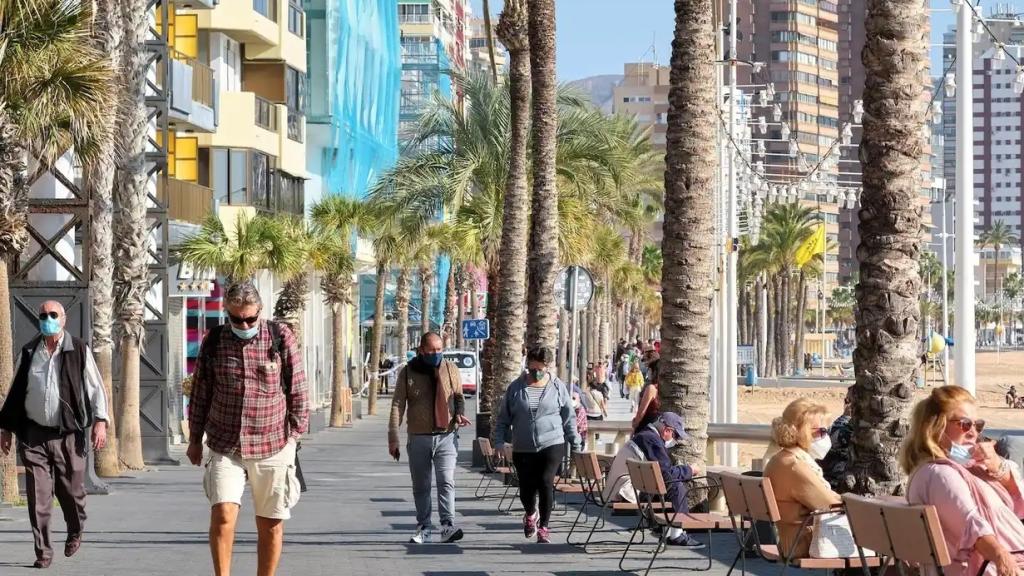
<point x="54" y="97"/>
<point x="886" y="360"/>
<point x="506" y="361"/>
<point x="342" y="216"/>
<point x="996" y="237"/>
<point x="543" y="255"/>
<point x="1013" y="289"/>
<point x="131" y="230"/>
<point x="689" y="217"/>
<point x="253" y="244"/>
<point x="98" y="177"/>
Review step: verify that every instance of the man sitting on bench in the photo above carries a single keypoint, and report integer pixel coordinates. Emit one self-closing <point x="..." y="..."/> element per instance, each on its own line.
<point x="654" y="441"/>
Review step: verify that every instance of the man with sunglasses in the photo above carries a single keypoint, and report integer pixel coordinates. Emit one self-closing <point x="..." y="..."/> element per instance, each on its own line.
<point x="249" y="398"/>
<point x="57" y="394"/>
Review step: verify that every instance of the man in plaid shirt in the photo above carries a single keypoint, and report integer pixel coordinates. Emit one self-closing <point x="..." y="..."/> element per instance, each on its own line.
<point x="249" y="399"/>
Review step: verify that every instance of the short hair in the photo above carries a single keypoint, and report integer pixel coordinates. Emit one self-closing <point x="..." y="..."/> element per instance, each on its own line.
<point x="788" y="430"/>
<point x="242" y="294"/>
<point x="928" y="424"/>
<point x="59" y="306"/>
<point x="541" y="354"/>
<point x="427" y="336"/>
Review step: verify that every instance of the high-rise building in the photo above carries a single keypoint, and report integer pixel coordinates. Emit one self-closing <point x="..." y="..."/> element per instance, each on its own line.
<point x="479" y="55"/>
<point x="997" y="127"/>
<point x="643" y="93"/>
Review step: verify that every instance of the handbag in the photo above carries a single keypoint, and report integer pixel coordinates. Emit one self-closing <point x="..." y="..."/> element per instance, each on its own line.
<point x="831" y="537"/>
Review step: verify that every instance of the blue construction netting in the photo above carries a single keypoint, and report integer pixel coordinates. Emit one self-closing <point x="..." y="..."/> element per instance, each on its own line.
<point x="364" y="94"/>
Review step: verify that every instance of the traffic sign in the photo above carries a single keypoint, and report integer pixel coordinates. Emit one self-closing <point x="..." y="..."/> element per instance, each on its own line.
<point x="476" y="329"/>
<point x="580" y="278"/>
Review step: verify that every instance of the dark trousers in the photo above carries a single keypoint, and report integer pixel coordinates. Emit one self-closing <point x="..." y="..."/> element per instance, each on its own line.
<point x="54" y="465"/>
<point x="536" y="471"/>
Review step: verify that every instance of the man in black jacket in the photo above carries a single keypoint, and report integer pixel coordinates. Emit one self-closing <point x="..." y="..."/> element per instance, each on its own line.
<point x="57" y="394"/>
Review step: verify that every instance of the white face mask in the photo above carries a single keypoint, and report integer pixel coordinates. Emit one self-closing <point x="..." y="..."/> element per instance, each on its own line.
<point x="820" y="447"/>
<point x="669" y="444"/>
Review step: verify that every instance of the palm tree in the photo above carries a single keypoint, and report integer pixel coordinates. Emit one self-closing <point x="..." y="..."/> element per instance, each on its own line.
<point x="341" y="216"/>
<point x="608" y="254"/>
<point x="253" y="244"/>
<point x="510" y="307"/>
<point x="54" y="97"/>
<point x="543" y="254"/>
<point x="98" y="177"/>
<point x="1013" y="289"/>
<point x="886" y="360"/>
<point x="996" y="237"/>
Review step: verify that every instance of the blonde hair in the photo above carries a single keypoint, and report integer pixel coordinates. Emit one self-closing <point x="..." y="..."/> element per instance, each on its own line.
<point x="789" y="430"/>
<point x="928" y="424"/>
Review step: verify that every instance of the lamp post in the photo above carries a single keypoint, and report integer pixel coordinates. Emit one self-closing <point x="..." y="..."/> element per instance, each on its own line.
<point x="964" y="337"/>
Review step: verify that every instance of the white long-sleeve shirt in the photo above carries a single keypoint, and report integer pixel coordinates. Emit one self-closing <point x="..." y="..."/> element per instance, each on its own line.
<point x="42" y="400"/>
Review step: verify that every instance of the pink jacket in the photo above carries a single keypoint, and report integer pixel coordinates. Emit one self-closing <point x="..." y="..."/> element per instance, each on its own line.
<point x="968" y="508"/>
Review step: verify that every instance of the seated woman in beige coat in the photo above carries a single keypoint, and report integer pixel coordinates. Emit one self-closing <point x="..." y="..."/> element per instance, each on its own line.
<point x="798" y="482"/>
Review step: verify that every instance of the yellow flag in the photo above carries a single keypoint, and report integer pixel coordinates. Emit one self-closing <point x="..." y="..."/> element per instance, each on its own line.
<point x="815" y="244"/>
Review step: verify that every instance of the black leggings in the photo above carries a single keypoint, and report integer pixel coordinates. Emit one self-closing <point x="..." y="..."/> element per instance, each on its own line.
<point x="536" y="471"/>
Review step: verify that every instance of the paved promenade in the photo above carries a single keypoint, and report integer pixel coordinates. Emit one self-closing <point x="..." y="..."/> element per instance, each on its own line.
<point x="356" y="519"/>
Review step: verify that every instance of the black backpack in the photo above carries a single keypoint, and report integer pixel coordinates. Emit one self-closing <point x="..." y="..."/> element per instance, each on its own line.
<point x="213" y="338"/>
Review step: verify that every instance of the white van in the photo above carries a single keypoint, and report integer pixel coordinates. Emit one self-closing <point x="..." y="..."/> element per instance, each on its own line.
<point x="469" y="368"/>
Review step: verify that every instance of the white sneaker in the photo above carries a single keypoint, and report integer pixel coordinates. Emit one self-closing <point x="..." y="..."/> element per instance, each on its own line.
<point x="422" y="535"/>
<point x="450" y="534"/>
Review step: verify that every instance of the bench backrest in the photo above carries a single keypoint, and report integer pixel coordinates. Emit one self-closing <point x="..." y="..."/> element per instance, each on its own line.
<point x="646" y="477"/>
<point x="898" y="530"/>
<point x="750" y="497"/>
<point x="485" y="447"/>
<point x="588" y="466"/>
<point x="868" y="524"/>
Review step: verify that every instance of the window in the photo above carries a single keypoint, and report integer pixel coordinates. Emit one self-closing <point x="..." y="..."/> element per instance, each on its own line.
<point x="805" y="39"/>
<point x="413" y="13"/>
<point x="794" y="17"/>
<point x="268" y="8"/>
<point x="296" y="18"/>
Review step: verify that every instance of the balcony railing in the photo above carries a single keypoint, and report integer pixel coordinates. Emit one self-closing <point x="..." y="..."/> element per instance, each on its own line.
<point x="415" y="18"/>
<point x="202" y="83"/>
<point x="186" y="201"/>
<point x="266" y="114"/>
<point x="295" y="126"/>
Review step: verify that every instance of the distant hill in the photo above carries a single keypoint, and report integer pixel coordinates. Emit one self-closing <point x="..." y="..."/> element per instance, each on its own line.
<point x="599" y="89"/>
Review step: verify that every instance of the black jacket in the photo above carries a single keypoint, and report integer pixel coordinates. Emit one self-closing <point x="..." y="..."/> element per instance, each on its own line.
<point x="76" y="411"/>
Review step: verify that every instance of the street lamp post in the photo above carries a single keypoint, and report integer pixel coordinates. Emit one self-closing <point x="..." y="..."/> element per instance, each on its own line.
<point x="729" y="454"/>
<point x="964" y="337"/>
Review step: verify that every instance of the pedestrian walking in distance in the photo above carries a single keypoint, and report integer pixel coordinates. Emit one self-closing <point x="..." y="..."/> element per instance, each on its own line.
<point x="249" y="399"/>
<point x="428" y="395"/>
<point x="537" y="417"/>
<point x="57" y="394"/>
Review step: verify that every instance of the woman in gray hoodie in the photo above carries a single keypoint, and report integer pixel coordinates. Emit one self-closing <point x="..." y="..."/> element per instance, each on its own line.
<point x="536" y="415"/>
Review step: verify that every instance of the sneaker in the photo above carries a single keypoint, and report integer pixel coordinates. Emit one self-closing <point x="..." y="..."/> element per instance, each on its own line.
<point x="530" y="525"/>
<point x="543" y="536"/>
<point x="422" y="535"/>
<point x="685" y="541"/>
<point x="450" y="533"/>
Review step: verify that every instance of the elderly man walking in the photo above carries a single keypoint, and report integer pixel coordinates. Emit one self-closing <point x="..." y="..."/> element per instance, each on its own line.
<point x="249" y="398"/>
<point x="429" y="390"/>
<point x="57" y="394"/>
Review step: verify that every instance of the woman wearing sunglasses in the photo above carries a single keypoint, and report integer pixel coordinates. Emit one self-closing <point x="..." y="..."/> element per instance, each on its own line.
<point x="801" y="434"/>
<point x="977" y="494"/>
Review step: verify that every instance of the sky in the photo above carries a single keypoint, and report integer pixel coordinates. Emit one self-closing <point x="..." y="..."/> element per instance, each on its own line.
<point x="599" y="36"/>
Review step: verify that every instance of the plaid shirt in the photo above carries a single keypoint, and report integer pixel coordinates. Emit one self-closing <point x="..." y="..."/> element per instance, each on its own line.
<point x="238" y="399"/>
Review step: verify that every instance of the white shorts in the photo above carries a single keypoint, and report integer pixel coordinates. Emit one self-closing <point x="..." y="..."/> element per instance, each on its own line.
<point x="275" y="487"/>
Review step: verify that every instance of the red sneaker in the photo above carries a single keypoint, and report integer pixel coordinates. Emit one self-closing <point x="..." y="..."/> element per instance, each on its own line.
<point x="543" y="536"/>
<point x="530" y="525"/>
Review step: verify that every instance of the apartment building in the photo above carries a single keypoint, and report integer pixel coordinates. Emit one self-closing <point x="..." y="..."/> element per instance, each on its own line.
<point x="479" y="55"/>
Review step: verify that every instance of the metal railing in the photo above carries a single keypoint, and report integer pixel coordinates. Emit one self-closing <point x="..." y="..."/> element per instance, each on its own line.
<point x="266" y="114"/>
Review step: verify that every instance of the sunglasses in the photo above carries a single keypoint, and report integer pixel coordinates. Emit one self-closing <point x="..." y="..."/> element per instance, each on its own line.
<point x="966" y="424"/>
<point x="45" y="315"/>
<point x="819" y="433"/>
<point x="239" y="320"/>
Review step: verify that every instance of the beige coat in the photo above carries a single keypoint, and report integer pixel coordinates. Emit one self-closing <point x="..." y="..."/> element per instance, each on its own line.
<point x="414" y="400"/>
<point x="799" y="490"/>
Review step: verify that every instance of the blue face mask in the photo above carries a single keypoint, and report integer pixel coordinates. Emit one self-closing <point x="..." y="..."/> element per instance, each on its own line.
<point x="248" y="334"/>
<point x="960" y="453"/>
<point x="49" y="326"/>
<point x="433" y="359"/>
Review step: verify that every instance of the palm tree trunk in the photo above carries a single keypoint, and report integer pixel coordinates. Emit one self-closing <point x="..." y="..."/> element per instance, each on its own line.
<point x="490" y="40"/>
<point x="403" y="294"/>
<point x="426" y="285"/>
<point x="99" y="178"/>
<point x="762" y="336"/>
<point x="510" y="305"/>
<point x="689" y="218"/>
<point x="489" y="385"/>
<point x="543" y="258"/>
<point x="801" y="326"/>
<point x="450" y="308"/>
<point x="787" y="323"/>
<point x="291" y="304"/>
<point x="886" y="361"/>
<point x="769" y="343"/>
<point x="461" y="305"/>
<point x="8" y="466"/>
<point x="341" y="396"/>
<point x="383" y="271"/>
<point x="131" y="275"/>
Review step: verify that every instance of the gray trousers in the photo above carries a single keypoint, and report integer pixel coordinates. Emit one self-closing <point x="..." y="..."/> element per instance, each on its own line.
<point x="54" y="466"/>
<point x="433" y="453"/>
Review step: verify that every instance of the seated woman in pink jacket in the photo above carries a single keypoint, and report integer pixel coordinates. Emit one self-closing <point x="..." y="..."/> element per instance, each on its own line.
<point x="977" y="494"/>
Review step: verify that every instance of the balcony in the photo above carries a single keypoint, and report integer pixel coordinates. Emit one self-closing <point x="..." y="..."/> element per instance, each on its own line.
<point x="185" y="200"/>
<point x="249" y="21"/>
<point x="193" y="104"/>
<point x="265" y="114"/>
<point x="246" y="121"/>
